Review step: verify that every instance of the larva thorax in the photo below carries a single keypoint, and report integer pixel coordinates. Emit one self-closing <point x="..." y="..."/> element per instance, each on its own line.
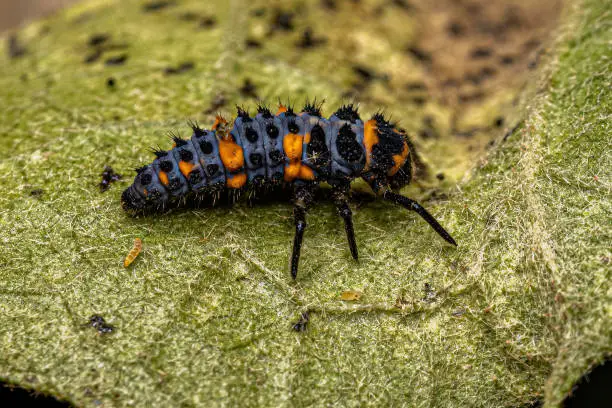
<point x="286" y="148"/>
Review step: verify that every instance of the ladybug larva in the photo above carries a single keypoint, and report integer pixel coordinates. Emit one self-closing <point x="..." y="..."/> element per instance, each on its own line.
<point x="289" y="150"/>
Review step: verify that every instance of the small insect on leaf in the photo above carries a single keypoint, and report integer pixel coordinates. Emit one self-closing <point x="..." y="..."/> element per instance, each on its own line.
<point x="351" y="295"/>
<point x="133" y="252"/>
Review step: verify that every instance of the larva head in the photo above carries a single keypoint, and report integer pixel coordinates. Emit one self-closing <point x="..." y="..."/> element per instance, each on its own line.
<point x="145" y="193"/>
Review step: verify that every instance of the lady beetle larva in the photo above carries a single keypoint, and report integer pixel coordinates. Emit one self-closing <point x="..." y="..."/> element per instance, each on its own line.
<point x="293" y="150"/>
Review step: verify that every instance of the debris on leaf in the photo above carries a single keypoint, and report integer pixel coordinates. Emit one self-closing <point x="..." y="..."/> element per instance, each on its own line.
<point x="301" y="324"/>
<point x="98" y="323"/>
<point x="351" y="295"/>
<point x="133" y="252"/>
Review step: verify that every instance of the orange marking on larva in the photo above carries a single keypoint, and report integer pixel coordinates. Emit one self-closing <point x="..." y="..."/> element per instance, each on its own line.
<point x="186" y="167"/>
<point x="306" y="173"/>
<point x="219" y="120"/>
<point x="281" y="109"/>
<point x="292" y="144"/>
<point x="146" y="193"/>
<point x="163" y="177"/>
<point x="370" y="138"/>
<point x="231" y="154"/>
<point x="133" y="252"/>
<point x="292" y="170"/>
<point x="399" y="160"/>
<point x="236" y="180"/>
<point x="307" y="138"/>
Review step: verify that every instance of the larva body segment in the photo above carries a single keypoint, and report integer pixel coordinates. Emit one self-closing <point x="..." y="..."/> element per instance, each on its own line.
<point x="287" y="149"/>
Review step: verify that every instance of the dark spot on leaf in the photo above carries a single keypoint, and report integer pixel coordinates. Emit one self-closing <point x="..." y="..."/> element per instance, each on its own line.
<point x="15" y="48"/>
<point x="419" y="54"/>
<point x="248" y="89"/>
<point x="93" y="57"/>
<point x="97" y="39"/>
<point x="208" y="22"/>
<point x="440" y="176"/>
<point x="37" y="192"/>
<point x="309" y="40"/>
<point x="217" y="103"/>
<point x="258" y="12"/>
<point x="183" y="67"/>
<point x="118" y="60"/>
<point x="455" y="29"/>
<point x="480" y="53"/>
<point x="189" y="16"/>
<point x="499" y="121"/>
<point x="507" y="60"/>
<point x="282" y="20"/>
<point x="157" y="5"/>
<point x="416" y="86"/>
<point x="110" y="82"/>
<point x="252" y="43"/>
<point x="403" y="4"/>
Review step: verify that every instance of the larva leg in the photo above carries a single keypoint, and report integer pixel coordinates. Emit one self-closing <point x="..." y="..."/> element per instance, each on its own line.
<point x="303" y="199"/>
<point x="341" y="195"/>
<point x="412" y="205"/>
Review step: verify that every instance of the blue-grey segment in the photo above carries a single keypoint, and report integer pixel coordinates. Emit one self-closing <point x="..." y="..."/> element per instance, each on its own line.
<point x="177" y="185"/>
<point x="209" y="161"/>
<point x="197" y="167"/>
<point x="253" y="150"/>
<point x="274" y="168"/>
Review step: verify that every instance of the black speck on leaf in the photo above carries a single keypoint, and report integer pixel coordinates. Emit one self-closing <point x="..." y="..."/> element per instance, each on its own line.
<point x="282" y="20"/>
<point x="309" y="40"/>
<point x="118" y="60"/>
<point x="93" y="57"/>
<point x="15" y="48"/>
<point x="98" y="39"/>
<point x="158" y="5"/>
<point x="208" y="22"/>
<point x="419" y="54"/>
<point x="184" y="67"/>
<point x="248" y="89"/>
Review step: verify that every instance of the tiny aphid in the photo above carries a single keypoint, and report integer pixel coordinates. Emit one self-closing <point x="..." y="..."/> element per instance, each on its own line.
<point x="290" y="150"/>
<point x="133" y="252"/>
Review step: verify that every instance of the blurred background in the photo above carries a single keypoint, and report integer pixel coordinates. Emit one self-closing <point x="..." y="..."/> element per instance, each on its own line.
<point x="14" y="12"/>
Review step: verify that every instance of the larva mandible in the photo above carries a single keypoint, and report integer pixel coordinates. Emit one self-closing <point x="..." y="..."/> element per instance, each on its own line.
<point x="293" y="150"/>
